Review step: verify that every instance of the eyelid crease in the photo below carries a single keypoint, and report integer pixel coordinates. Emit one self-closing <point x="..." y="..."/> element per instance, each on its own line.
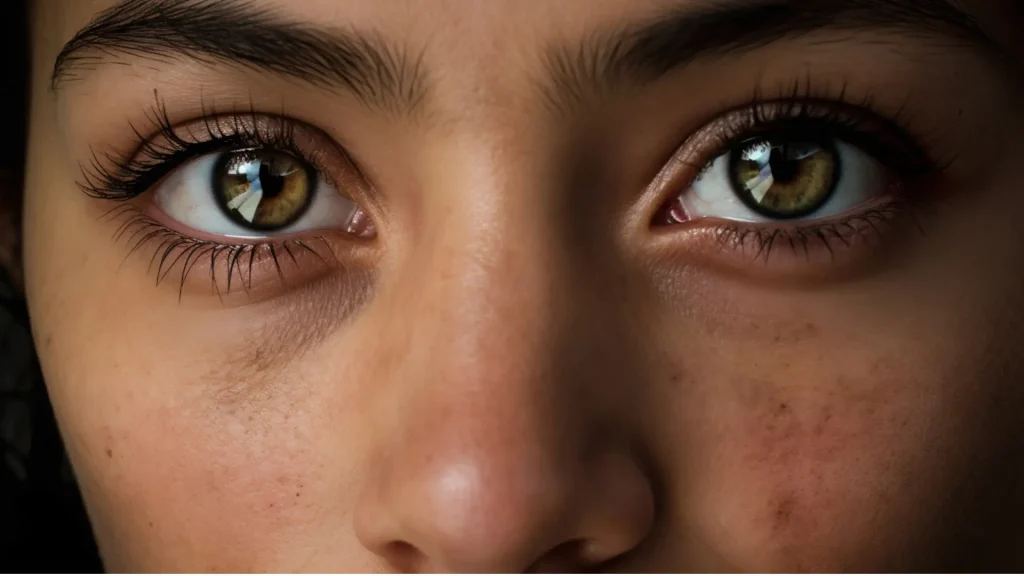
<point x="165" y="146"/>
<point x="802" y="105"/>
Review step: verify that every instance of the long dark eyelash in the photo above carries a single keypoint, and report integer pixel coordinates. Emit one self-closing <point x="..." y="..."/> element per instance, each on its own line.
<point x="113" y="177"/>
<point x="119" y="179"/>
<point x="804" y="108"/>
<point x="173" y="248"/>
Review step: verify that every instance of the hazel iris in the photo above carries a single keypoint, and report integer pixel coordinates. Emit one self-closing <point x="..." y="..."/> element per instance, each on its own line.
<point x="263" y="189"/>
<point x="784" y="179"/>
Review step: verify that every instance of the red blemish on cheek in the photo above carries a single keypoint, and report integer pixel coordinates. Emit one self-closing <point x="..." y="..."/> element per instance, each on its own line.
<point x="783" y="513"/>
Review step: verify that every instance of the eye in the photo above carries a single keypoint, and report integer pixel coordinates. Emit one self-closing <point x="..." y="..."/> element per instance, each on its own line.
<point x="257" y="193"/>
<point x="779" y="177"/>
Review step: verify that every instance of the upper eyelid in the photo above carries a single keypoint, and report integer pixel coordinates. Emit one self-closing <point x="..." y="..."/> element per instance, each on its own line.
<point x="119" y="176"/>
<point x="839" y="118"/>
<point x="847" y="120"/>
<point x="701" y="146"/>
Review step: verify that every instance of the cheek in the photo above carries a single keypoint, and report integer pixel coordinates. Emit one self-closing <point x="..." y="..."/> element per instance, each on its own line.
<point x="202" y="452"/>
<point x="831" y="444"/>
<point x="814" y="463"/>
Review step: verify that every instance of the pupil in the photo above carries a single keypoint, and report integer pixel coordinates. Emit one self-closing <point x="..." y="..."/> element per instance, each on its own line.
<point x="783" y="168"/>
<point x="272" y="183"/>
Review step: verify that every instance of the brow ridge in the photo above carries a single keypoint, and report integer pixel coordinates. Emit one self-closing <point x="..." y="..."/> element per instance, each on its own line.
<point x="240" y="32"/>
<point x="605" y="60"/>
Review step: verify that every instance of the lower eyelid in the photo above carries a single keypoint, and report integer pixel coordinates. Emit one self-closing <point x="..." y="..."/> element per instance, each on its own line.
<point x="835" y="247"/>
<point x="235" y="273"/>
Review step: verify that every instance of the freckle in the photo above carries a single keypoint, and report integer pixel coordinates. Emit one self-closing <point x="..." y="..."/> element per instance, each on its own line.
<point x="150" y="523"/>
<point x="675" y="377"/>
<point x="110" y="453"/>
<point x="297" y="494"/>
<point x="783" y="512"/>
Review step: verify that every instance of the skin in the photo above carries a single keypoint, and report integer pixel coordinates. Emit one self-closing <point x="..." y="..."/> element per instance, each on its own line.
<point x="520" y="372"/>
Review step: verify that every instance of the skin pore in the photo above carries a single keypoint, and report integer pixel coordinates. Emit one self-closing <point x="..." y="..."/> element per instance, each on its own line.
<point x="495" y="341"/>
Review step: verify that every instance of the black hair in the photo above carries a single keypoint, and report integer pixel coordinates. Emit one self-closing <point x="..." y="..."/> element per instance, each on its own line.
<point x="43" y="525"/>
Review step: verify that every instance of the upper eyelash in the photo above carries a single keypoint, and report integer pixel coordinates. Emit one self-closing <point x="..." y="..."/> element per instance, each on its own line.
<point x="112" y="177"/>
<point x="804" y="106"/>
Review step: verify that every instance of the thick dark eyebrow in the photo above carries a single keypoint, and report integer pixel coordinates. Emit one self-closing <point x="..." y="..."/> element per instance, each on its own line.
<point x="240" y="32"/>
<point x="602" y="62"/>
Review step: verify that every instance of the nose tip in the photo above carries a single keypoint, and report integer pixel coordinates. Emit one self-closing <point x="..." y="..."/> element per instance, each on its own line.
<point x="468" y="518"/>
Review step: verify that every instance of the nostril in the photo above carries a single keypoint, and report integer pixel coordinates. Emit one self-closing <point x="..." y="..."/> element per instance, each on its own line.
<point x="569" y="556"/>
<point x="404" y="556"/>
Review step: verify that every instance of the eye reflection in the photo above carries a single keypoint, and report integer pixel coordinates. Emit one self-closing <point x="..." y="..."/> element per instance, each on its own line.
<point x="263" y="189"/>
<point x="784" y="179"/>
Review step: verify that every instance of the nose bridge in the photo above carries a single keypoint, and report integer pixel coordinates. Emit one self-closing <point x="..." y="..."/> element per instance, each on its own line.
<point x="485" y="334"/>
<point x="485" y="329"/>
<point x="488" y="275"/>
<point x="491" y="450"/>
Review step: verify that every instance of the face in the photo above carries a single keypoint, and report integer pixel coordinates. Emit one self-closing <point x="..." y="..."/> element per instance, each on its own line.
<point x="557" y="285"/>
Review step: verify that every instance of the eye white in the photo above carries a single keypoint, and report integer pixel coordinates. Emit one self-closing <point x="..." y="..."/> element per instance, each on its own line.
<point x="713" y="195"/>
<point x="187" y="197"/>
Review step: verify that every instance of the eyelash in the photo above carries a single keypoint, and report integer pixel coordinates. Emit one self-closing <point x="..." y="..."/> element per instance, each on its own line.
<point x="125" y="178"/>
<point x="173" y="247"/>
<point x="802" y="109"/>
<point x="806" y="110"/>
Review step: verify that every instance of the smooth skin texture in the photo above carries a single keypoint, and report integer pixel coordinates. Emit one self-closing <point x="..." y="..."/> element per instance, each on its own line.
<point x="520" y="371"/>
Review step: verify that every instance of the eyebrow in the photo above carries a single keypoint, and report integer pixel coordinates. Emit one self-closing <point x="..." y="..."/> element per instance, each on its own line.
<point x="671" y="40"/>
<point x="384" y="76"/>
<point x="237" y="31"/>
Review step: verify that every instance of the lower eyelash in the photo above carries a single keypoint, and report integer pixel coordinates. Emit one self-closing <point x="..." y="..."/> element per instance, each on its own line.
<point x="758" y="243"/>
<point x="171" y="249"/>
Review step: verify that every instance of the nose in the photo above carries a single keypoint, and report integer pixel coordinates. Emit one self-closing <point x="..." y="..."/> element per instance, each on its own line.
<point x="498" y="445"/>
<point x="469" y="515"/>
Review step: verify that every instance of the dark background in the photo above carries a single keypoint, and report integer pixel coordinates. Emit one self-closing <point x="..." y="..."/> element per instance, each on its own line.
<point x="43" y="527"/>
